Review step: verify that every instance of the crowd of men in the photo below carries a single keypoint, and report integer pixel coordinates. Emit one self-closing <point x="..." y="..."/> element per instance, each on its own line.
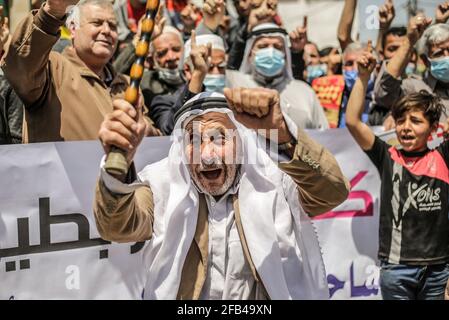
<point x="64" y="78"/>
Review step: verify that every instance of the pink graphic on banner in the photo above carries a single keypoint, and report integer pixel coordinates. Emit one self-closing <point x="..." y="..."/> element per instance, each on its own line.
<point x="358" y="194"/>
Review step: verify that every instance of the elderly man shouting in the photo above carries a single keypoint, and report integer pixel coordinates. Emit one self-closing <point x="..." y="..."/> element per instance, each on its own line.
<point x="66" y="96"/>
<point x="224" y="221"/>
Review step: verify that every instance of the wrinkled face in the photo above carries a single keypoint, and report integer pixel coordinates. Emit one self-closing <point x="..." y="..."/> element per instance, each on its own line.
<point x="266" y="42"/>
<point x="413" y="130"/>
<point x="210" y="145"/>
<point x="350" y="61"/>
<point x="439" y="50"/>
<point x="167" y="50"/>
<point x="311" y="55"/>
<point x="243" y="7"/>
<point x="96" y="38"/>
<point x="392" y="44"/>
<point x="264" y="10"/>
<point x="217" y="64"/>
<point x="189" y="15"/>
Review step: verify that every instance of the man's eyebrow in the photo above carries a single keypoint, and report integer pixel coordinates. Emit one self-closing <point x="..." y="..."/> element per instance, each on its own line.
<point x="220" y="129"/>
<point x="111" y="20"/>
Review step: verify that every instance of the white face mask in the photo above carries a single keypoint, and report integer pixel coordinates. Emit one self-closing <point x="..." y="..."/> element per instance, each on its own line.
<point x="170" y="76"/>
<point x="215" y="82"/>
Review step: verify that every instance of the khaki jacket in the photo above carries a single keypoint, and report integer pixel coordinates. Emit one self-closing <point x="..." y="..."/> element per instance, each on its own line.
<point x="64" y="99"/>
<point x="129" y="217"/>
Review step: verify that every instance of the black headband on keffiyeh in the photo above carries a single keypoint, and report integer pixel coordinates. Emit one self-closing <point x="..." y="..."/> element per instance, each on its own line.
<point x="202" y="101"/>
<point x="257" y="32"/>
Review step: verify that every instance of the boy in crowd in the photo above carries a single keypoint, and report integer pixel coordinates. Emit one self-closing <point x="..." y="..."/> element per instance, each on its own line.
<point x="414" y="224"/>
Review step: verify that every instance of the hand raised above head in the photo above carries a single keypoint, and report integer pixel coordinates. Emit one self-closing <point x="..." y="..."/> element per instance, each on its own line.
<point x="261" y="11"/>
<point x="58" y="8"/>
<point x="366" y="63"/>
<point x="442" y="13"/>
<point x="298" y="37"/>
<point x="124" y="128"/>
<point x="386" y="14"/>
<point x="416" y="27"/>
<point x="200" y="55"/>
<point x="213" y="13"/>
<point x="258" y="108"/>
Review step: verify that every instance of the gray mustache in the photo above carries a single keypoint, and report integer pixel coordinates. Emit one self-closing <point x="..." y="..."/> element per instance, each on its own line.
<point x="211" y="166"/>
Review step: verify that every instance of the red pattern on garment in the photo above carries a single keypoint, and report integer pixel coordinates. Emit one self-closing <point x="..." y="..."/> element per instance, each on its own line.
<point x="134" y="16"/>
<point x="430" y="165"/>
<point x="175" y="6"/>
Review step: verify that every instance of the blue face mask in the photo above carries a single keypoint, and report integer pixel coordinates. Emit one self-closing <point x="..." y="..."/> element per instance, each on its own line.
<point x="214" y="82"/>
<point x="316" y="71"/>
<point x="439" y="68"/>
<point x="410" y="69"/>
<point x="269" y="62"/>
<point x="350" y="78"/>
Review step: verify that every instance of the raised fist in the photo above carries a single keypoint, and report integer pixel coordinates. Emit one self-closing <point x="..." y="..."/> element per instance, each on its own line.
<point x="58" y="8"/>
<point x="386" y="14"/>
<point x="416" y="27"/>
<point x="442" y="13"/>
<point x="258" y="108"/>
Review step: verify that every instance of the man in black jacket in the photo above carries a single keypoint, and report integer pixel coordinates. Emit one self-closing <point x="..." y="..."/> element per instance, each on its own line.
<point x="11" y="114"/>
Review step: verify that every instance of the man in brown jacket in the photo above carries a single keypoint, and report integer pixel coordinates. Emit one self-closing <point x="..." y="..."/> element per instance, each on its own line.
<point x="67" y="95"/>
<point x="224" y="221"/>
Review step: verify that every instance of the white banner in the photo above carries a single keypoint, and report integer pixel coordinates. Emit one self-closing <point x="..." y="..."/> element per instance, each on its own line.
<point x="349" y="234"/>
<point x="50" y="247"/>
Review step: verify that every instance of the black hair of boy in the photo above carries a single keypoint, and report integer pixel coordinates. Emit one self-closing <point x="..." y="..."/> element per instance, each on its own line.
<point x="429" y="104"/>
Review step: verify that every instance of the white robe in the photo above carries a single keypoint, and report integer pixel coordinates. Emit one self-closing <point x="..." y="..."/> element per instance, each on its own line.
<point x="281" y="238"/>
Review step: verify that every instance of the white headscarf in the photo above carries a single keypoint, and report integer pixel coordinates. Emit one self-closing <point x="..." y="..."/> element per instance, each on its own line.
<point x="202" y="40"/>
<point x="246" y="66"/>
<point x="170" y="76"/>
<point x="290" y="267"/>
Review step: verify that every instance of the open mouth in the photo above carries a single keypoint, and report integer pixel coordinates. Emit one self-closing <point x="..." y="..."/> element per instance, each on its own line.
<point x="407" y="138"/>
<point x="211" y="174"/>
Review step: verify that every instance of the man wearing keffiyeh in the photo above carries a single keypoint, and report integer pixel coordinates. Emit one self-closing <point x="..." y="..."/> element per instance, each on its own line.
<point x="223" y="220"/>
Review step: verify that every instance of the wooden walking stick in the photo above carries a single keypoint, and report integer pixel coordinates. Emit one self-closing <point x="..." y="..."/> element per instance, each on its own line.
<point x="116" y="162"/>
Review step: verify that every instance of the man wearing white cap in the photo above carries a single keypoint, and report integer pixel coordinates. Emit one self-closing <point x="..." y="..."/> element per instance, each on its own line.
<point x="204" y="69"/>
<point x="267" y="63"/>
<point x="223" y="220"/>
<point x="164" y="76"/>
